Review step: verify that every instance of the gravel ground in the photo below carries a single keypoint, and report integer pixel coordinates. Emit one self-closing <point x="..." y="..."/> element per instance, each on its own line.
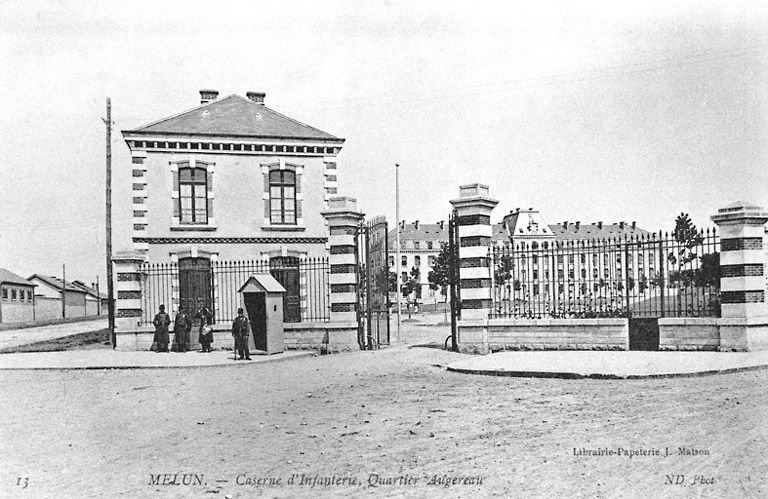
<point x="391" y="421"/>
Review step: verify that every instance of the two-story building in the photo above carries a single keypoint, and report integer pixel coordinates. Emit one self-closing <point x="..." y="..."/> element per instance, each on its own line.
<point x="231" y="181"/>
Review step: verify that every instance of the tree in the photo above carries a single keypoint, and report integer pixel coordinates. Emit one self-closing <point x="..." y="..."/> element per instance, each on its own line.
<point x="440" y="275"/>
<point x="688" y="238"/>
<point x="392" y="281"/>
<point x="643" y="284"/>
<point x="709" y="272"/>
<point x="415" y="281"/>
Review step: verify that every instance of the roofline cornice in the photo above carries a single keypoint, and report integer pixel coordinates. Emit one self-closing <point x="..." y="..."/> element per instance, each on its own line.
<point x="161" y="135"/>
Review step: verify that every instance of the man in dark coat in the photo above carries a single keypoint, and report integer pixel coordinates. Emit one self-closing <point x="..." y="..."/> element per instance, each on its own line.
<point x="205" y="336"/>
<point x="240" y="331"/>
<point x="182" y="325"/>
<point x="161" y="323"/>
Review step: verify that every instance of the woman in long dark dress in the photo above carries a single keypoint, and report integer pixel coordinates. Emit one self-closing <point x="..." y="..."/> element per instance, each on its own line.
<point x="161" y="323"/>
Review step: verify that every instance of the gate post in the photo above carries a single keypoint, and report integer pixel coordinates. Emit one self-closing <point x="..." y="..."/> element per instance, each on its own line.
<point x="744" y="325"/>
<point x="343" y="219"/>
<point x="473" y="216"/>
<point x="128" y="309"/>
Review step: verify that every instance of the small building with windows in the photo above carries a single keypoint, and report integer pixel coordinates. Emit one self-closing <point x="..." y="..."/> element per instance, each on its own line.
<point x="224" y="190"/>
<point x="49" y="294"/>
<point x="17" y="298"/>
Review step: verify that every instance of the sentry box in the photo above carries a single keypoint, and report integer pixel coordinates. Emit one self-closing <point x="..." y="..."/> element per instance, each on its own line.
<point x="262" y="297"/>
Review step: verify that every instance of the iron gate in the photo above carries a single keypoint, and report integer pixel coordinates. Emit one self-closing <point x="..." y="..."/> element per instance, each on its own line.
<point x="372" y="250"/>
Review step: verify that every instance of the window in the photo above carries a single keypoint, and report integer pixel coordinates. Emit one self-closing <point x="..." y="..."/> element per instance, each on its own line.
<point x="13" y="293"/>
<point x="391" y="261"/>
<point x="416" y="244"/>
<point x="404" y="261"/>
<point x="282" y="197"/>
<point x="29" y="295"/>
<point x="5" y="293"/>
<point x="429" y="244"/>
<point x="193" y="196"/>
<point x="431" y="261"/>
<point x="21" y="295"/>
<point x="417" y="261"/>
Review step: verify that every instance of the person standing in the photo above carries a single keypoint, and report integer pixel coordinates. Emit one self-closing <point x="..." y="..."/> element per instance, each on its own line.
<point x="161" y="323"/>
<point x="182" y="325"/>
<point x="205" y="335"/>
<point x="240" y="331"/>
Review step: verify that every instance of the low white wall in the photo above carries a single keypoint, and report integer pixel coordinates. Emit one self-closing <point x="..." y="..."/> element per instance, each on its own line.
<point x="543" y="334"/>
<point x="716" y="334"/>
<point x="689" y="333"/>
<point x="47" y="308"/>
<point x="328" y="337"/>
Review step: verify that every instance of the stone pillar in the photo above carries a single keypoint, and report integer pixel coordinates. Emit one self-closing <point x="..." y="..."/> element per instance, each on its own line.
<point x="128" y="290"/>
<point x="742" y="276"/>
<point x="473" y="212"/>
<point x="343" y="220"/>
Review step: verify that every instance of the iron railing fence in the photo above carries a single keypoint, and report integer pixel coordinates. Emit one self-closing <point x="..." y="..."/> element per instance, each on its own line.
<point x="648" y="275"/>
<point x="307" y="283"/>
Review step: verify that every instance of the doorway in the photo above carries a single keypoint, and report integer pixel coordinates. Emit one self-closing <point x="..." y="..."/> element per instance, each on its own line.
<point x="256" y="306"/>
<point x="285" y="270"/>
<point x="195" y="287"/>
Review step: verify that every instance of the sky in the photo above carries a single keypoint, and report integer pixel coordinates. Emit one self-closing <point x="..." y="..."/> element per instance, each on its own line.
<point x="589" y="111"/>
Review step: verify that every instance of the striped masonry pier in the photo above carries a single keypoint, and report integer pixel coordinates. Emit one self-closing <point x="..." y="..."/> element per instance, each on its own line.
<point x="742" y="274"/>
<point x="343" y="220"/>
<point x="127" y="289"/>
<point x="473" y="215"/>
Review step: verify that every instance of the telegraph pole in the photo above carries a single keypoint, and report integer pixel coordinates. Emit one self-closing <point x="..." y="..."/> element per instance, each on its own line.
<point x="63" y="291"/>
<point x="397" y="242"/>
<point x="110" y="292"/>
<point x="98" y="297"/>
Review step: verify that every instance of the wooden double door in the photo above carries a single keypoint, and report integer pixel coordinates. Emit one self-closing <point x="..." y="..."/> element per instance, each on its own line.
<point x="195" y="287"/>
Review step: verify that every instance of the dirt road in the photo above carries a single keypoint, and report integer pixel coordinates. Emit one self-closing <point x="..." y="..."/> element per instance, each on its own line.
<point x="390" y="423"/>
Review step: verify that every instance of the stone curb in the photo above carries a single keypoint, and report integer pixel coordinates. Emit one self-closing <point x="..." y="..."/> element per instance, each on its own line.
<point x="233" y="363"/>
<point x="573" y="375"/>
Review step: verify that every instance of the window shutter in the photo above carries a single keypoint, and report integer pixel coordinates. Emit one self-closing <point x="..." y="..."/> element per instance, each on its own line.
<point x="267" y="197"/>
<point x="176" y="202"/>
<point x="298" y="200"/>
<point x="209" y="187"/>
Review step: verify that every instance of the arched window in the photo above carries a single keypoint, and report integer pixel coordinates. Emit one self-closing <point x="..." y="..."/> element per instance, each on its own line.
<point x="282" y="197"/>
<point x="193" y="195"/>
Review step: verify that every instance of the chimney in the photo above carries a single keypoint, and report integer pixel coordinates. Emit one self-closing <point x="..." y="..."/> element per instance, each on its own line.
<point x="634" y="224"/>
<point x="565" y="224"/>
<point x="402" y="224"/>
<point x="257" y="97"/>
<point x="578" y="224"/>
<point x="416" y="225"/>
<point x="600" y="225"/>
<point x="441" y="224"/>
<point x="207" y="96"/>
<point x="621" y="225"/>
